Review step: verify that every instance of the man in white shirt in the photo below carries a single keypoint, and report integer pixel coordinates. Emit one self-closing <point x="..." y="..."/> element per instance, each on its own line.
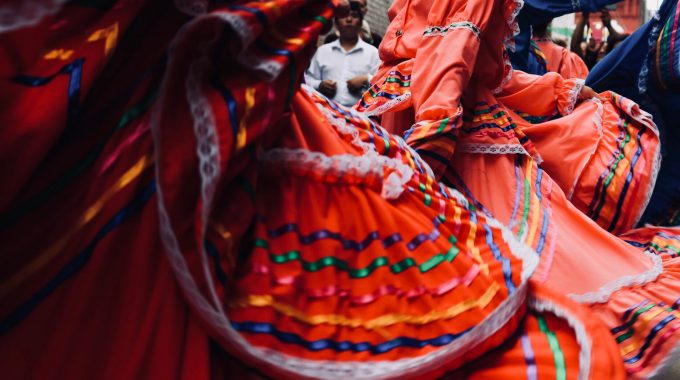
<point x="342" y="69"/>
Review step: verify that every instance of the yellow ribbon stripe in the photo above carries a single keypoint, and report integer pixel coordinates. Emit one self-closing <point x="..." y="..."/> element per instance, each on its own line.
<point x="373" y="324"/>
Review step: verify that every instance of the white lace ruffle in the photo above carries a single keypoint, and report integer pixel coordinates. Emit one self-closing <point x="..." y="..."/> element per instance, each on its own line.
<point x="23" y="13"/>
<point x="573" y="96"/>
<point x="440" y="30"/>
<point x="211" y="311"/>
<point x="389" y="104"/>
<point x="597" y="120"/>
<point x="339" y="165"/>
<point x="493" y="148"/>
<point x="602" y="295"/>
<point x="513" y="25"/>
<point x="582" y="337"/>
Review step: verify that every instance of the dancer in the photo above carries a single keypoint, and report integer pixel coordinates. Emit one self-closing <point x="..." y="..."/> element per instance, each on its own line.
<point x="467" y="128"/>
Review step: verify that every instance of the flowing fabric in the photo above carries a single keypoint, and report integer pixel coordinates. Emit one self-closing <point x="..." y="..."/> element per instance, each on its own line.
<point x="560" y="60"/>
<point x="185" y="209"/>
<point x="644" y="68"/>
<point x="196" y="208"/>
<point x="553" y="172"/>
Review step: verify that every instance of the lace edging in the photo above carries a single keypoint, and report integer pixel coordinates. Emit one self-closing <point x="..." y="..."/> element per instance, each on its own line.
<point x="573" y="96"/>
<point x="24" y="13"/>
<point x="440" y="30"/>
<point x="602" y="295"/>
<point x="493" y="149"/>
<point x="389" y="105"/>
<point x="362" y="166"/>
<point x="290" y="366"/>
<point x="582" y="337"/>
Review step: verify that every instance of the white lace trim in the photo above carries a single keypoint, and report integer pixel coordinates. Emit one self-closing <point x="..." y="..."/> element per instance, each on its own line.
<point x="271" y="69"/>
<point x="576" y="5"/>
<point x="341" y="126"/>
<point x="597" y="120"/>
<point x="23" y="13"/>
<point x="389" y="104"/>
<point x="513" y="25"/>
<point x="582" y="337"/>
<point x="361" y="166"/>
<point x="440" y="30"/>
<point x="291" y="366"/>
<point x="192" y="7"/>
<point x="493" y="149"/>
<point x="602" y="295"/>
<point x="573" y="96"/>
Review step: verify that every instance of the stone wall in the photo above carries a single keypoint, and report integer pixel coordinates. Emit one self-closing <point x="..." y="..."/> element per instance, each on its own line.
<point x="377" y="15"/>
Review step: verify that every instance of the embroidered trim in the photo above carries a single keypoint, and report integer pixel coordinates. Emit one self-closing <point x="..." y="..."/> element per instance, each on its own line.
<point x="597" y="120"/>
<point x="271" y="69"/>
<point x="437" y="30"/>
<point x="214" y="316"/>
<point x="581" y="335"/>
<point x="602" y="295"/>
<point x="389" y="105"/>
<point x="361" y="166"/>
<point x="573" y="96"/>
<point x="493" y="149"/>
<point x="25" y="13"/>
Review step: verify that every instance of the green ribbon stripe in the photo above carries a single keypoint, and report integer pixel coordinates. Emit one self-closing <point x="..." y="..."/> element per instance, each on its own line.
<point x="634" y="318"/>
<point x="383" y="261"/>
<point x="607" y="181"/>
<point x="558" y="355"/>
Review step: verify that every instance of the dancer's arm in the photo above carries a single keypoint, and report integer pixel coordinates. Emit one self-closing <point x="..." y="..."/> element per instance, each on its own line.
<point x="545" y="94"/>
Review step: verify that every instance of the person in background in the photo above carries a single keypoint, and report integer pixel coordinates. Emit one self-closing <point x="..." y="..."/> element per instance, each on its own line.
<point x="595" y="49"/>
<point x="558" y="58"/>
<point x="614" y="37"/>
<point x="366" y="34"/>
<point x="342" y="69"/>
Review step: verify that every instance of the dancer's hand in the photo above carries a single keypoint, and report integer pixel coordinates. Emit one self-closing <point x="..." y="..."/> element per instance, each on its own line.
<point x="587" y="93"/>
<point x="328" y="88"/>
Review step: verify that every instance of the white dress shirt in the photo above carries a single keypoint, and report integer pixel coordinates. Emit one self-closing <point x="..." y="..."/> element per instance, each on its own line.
<point x="332" y="62"/>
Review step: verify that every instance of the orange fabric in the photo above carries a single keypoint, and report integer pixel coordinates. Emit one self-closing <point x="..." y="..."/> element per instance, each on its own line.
<point x="562" y="61"/>
<point x="549" y="93"/>
<point x="529" y="354"/>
